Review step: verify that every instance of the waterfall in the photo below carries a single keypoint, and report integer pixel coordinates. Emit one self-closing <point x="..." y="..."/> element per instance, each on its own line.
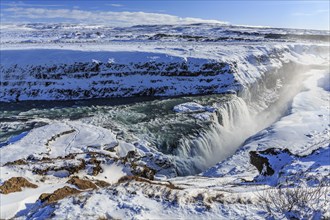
<point x="256" y="107"/>
<point x="232" y="124"/>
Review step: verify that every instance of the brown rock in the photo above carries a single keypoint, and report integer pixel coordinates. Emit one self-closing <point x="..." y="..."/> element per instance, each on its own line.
<point x="101" y="183"/>
<point x="58" y="194"/>
<point x="16" y="162"/>
<point x="260" y="159"/>
<point x="144" y="172"/>
<point x="82" y="184"/>
<point x="97" y="167"/>
<point x="261" y="163"/>
<point x="15" y="184"/>
<point x="43" y="196"/>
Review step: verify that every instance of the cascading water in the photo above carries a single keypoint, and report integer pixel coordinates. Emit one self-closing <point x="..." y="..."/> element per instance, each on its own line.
<point x="237" y="119"/>
<point x="231" y="124"/>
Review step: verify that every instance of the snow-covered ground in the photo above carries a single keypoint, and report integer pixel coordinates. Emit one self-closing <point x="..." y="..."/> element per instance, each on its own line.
<point x="268" y="128"/>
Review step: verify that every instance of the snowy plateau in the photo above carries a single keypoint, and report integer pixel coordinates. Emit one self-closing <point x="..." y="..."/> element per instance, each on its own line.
<point x="193" y="121"/>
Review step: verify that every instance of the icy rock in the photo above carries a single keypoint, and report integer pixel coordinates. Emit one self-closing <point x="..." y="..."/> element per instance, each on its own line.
<point x="210" y="109"/>
<point x="188" y="107"/>
<point x="59" y="173"/>
<point x="205" y="116"/>
<point x="124" y="148"/>
<point x="192" y="107"/>
<point x="96" y="61"/>
<point x="110" y="146"/>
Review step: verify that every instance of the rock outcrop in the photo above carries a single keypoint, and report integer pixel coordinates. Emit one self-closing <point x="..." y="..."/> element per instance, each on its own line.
<point x="15" y="184"/>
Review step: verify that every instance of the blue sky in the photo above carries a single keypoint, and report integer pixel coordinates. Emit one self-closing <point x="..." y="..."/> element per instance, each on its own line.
<point x="292" y="14"/>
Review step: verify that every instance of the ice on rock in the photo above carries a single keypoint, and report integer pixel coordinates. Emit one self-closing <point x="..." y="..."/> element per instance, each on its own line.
<point x="192" y="107"/>
<point x="205" y="116"/>
<point x="96" y="61"/>
<point x="111" y="60"/>
<point x="124" y="148"/>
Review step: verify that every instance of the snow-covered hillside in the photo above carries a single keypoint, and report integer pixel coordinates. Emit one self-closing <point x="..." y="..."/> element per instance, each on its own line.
<point x="199" y="121"/>
<point x="35" y="66"/>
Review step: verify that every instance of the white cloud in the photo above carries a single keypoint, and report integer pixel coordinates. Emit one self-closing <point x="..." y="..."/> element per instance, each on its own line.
<point x="23" y="4"/>
<point x="112" y="18"/>
<point x="116" y="5"/>
<point x="302" y="14"/>
<point x="320" y="11"/>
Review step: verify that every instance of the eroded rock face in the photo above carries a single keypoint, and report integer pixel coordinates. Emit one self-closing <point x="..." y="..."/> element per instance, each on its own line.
<point x="59" y="81"/>
<point x="15" y="184"/>
<point x="58" y="194"/>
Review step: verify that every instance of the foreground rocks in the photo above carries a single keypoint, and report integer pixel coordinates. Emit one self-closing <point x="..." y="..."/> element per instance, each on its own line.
<point x="15" y="184"/>
<point x="82" y="184"/>
<point x="261" y="160"/>
<point x="58" y="194"/>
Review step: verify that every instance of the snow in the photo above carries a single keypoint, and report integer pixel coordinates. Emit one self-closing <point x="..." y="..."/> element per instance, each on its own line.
<point x="57" y="139"/>
<point x="266" y="106"/>
<point x="307" y="123"/>
<point x="111" y="173"/>
<point x="140" y="206"/>
<point x="11" y="204"/>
